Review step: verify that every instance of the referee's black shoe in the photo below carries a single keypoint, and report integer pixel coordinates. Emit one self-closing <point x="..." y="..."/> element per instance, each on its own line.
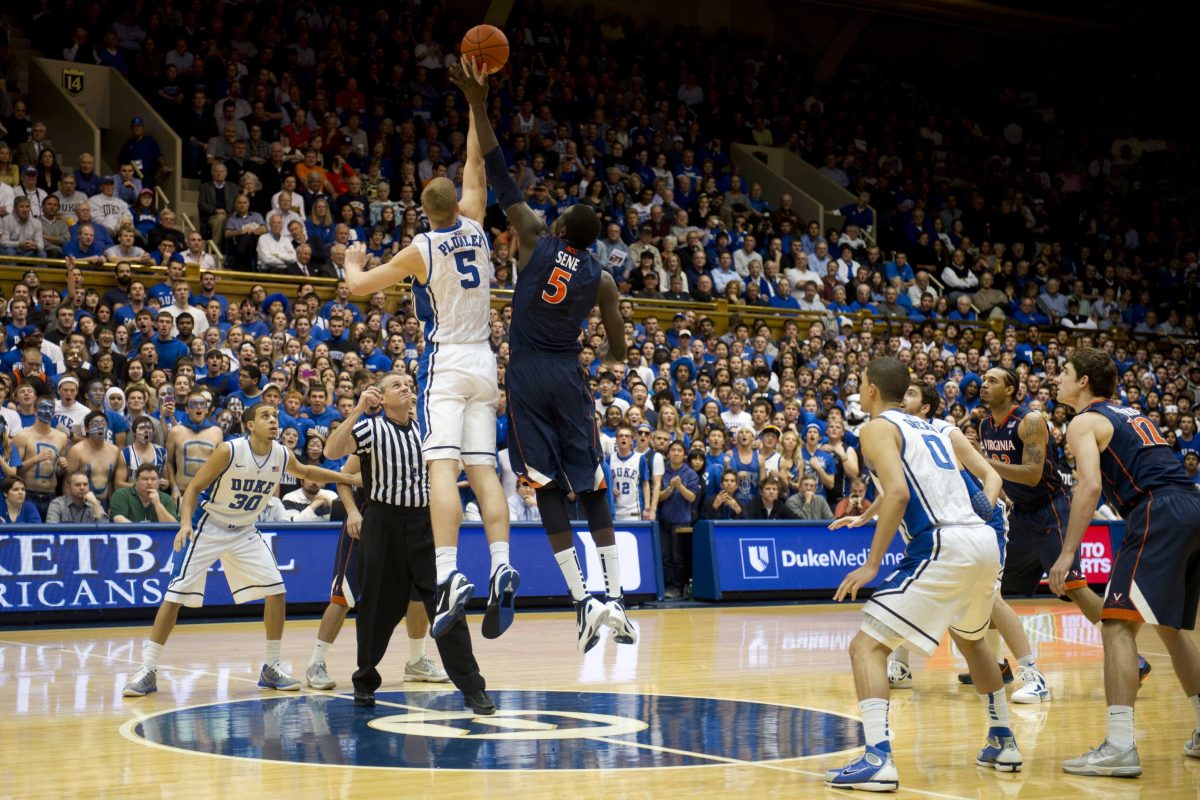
<point x="479" y="702"/>
<point x="363" y="698"/>
<point x="452" y="598"/>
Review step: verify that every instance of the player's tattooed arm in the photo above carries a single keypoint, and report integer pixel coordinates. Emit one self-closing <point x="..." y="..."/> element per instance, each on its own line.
<point x="1034" y="436"/>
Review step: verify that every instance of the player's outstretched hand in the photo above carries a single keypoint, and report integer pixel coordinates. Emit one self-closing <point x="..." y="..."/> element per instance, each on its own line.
<point x="356" y="256"/>
<point x="855" y="581"/>
<point x="470" y="78"/>
<point x="852" y="522"/>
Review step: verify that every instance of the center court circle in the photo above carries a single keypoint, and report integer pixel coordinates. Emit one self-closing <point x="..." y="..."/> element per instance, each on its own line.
<point x="532" y="730"/>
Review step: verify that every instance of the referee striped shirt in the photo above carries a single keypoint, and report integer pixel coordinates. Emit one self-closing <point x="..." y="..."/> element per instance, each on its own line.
<point x="392" y="456"/>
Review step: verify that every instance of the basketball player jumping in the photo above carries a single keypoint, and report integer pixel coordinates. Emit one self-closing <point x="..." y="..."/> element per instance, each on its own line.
<point x="947" y="579"/>
<point x="550" y="407"/>
<point x="1017" y="442"/>
<point x="451" y="269"/>
<point x="219" y="524"/>
<point x="921" y="400"/>
<point x="1156" y="572"/>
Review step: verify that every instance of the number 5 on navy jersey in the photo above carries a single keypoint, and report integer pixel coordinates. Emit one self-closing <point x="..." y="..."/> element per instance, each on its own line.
<point x="556" y="286"/>
<point x="467" y="268"/>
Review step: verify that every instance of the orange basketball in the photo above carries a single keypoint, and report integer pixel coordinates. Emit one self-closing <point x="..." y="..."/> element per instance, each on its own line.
<point x="486" y="44"/>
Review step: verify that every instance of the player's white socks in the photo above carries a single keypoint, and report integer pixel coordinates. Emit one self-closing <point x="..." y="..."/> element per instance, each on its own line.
<point x="318" y="653"/>
<point x="150" y="653"/>
<point x="995" y="705"/>
<point x="1028" y="661"/>
<point x="273" y="648"/>
<point x="900" y="654"/>
<point x="874" y="712"/>
<point x="568" y="562"/>
<point x="446" y="561"/>
<point x="612" y="570"/>
<point x="1120" y="726"/>
<point x="416" y="650"/>
<point x="992" y="638"/>
<point x="1196" y="707"/>
<point x="499" y="552"/>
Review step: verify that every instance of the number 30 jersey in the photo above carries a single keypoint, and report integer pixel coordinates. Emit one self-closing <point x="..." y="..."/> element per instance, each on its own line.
<point x="454" y="302"/>
<point x="240" y="493"/>
<point x="938" y="496"/>
<point x="554" y="294"/>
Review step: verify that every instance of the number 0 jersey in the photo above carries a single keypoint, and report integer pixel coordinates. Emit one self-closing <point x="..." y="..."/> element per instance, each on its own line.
<point x="241" y="491"/>
<point x="554" y="294"/>
<point x="938" y="495"/>
<point x="454" y="302"/>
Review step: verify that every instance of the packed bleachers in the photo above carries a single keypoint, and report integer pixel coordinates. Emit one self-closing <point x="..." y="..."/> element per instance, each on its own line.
<point x="994" y="227"/>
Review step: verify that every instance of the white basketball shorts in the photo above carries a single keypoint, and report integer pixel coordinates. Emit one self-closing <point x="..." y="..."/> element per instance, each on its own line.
<point x="953" y="588"/>
<point x="245" y="556"/>
<point x="457" y="402"/>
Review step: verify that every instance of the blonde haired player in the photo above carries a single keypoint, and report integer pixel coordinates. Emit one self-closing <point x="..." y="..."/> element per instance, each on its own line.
<point x="450" y="267"/>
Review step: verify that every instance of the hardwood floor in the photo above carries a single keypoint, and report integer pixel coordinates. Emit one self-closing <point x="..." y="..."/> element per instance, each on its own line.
<point x="713" y="702"/>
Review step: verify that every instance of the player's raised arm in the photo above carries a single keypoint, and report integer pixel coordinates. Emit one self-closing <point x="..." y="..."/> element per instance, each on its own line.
<point x="307" y="472"/>
<point x="609" y="299"/>
<point x="473" y="83"/>
<point x="474" y="186"/>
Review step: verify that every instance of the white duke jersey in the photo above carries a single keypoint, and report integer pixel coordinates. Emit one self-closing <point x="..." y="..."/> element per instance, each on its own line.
<point x="938" y="497"/>
<point x="454" y="303"/>
<point x="242" y="490"/>
<point x="627" y="476"/>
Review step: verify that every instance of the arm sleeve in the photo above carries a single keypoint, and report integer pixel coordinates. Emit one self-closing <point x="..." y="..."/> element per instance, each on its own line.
<point x="364" y="436"/>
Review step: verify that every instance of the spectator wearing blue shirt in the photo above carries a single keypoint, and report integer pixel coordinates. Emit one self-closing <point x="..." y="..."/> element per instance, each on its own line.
<point x="248" y="392"/>
<point x="680" y="486"/>
<point x="819" y="464"/>
<point x="862" y="301"/>
<point x="858" y="213"/>
<point x="962" y="310"/>
<point x="1028" y="313"/>
<point x="318" y="410"/>
<point x="900" y="268"/>
<point x="373" y="359"/>
<point x="170" y="349"/>
<point x="14" y="508"/>
<point x="85" y="243"/>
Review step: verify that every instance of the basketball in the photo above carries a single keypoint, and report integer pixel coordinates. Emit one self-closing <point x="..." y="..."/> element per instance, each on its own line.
<point x="486" y="44"/>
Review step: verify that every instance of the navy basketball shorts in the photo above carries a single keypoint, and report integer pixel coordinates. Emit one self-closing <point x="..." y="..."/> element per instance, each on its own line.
<point x="1156" y="572"/>
<point x="343" y="589"/>
<point x="1036" y="534"/>
<point x="552" y="436"/>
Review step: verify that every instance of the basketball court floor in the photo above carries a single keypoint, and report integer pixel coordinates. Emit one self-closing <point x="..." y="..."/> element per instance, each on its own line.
<point x="751" y="702"/>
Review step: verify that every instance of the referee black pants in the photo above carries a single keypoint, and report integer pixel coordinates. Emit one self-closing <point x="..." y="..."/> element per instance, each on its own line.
<point x="395" y="556"/>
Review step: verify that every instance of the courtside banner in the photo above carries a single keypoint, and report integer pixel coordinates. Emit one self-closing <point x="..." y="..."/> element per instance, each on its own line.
<point x="756" y="557"/>
<point x="94" y="568"/>
<point x="748" y="557"/>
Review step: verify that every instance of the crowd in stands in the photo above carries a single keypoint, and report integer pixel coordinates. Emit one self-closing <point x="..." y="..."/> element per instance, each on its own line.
<point x="984" y="232"/>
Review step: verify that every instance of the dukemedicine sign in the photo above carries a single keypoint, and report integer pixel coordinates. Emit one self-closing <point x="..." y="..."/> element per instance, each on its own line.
<point x="96" y="567"/>
<point x="761" y="557"/>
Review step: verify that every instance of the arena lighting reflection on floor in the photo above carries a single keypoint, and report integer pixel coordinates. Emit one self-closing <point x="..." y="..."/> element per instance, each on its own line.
<point x="532" y="731"/>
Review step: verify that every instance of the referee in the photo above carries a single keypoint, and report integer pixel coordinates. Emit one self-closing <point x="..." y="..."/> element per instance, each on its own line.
<point x="396" y="542"/>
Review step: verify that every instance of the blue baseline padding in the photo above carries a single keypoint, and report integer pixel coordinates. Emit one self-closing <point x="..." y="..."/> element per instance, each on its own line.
<point x="49" y="568"/>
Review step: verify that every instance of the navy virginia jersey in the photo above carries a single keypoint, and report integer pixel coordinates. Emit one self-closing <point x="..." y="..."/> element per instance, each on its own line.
<point x="1138" y="460"/>
<point x="1003" y="443"/>
<point x="554" y="294"/>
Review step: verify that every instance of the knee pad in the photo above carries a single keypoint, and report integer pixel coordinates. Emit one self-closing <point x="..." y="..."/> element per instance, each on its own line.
<point x="595" y="506"/>
<point x="552" y="505"/>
